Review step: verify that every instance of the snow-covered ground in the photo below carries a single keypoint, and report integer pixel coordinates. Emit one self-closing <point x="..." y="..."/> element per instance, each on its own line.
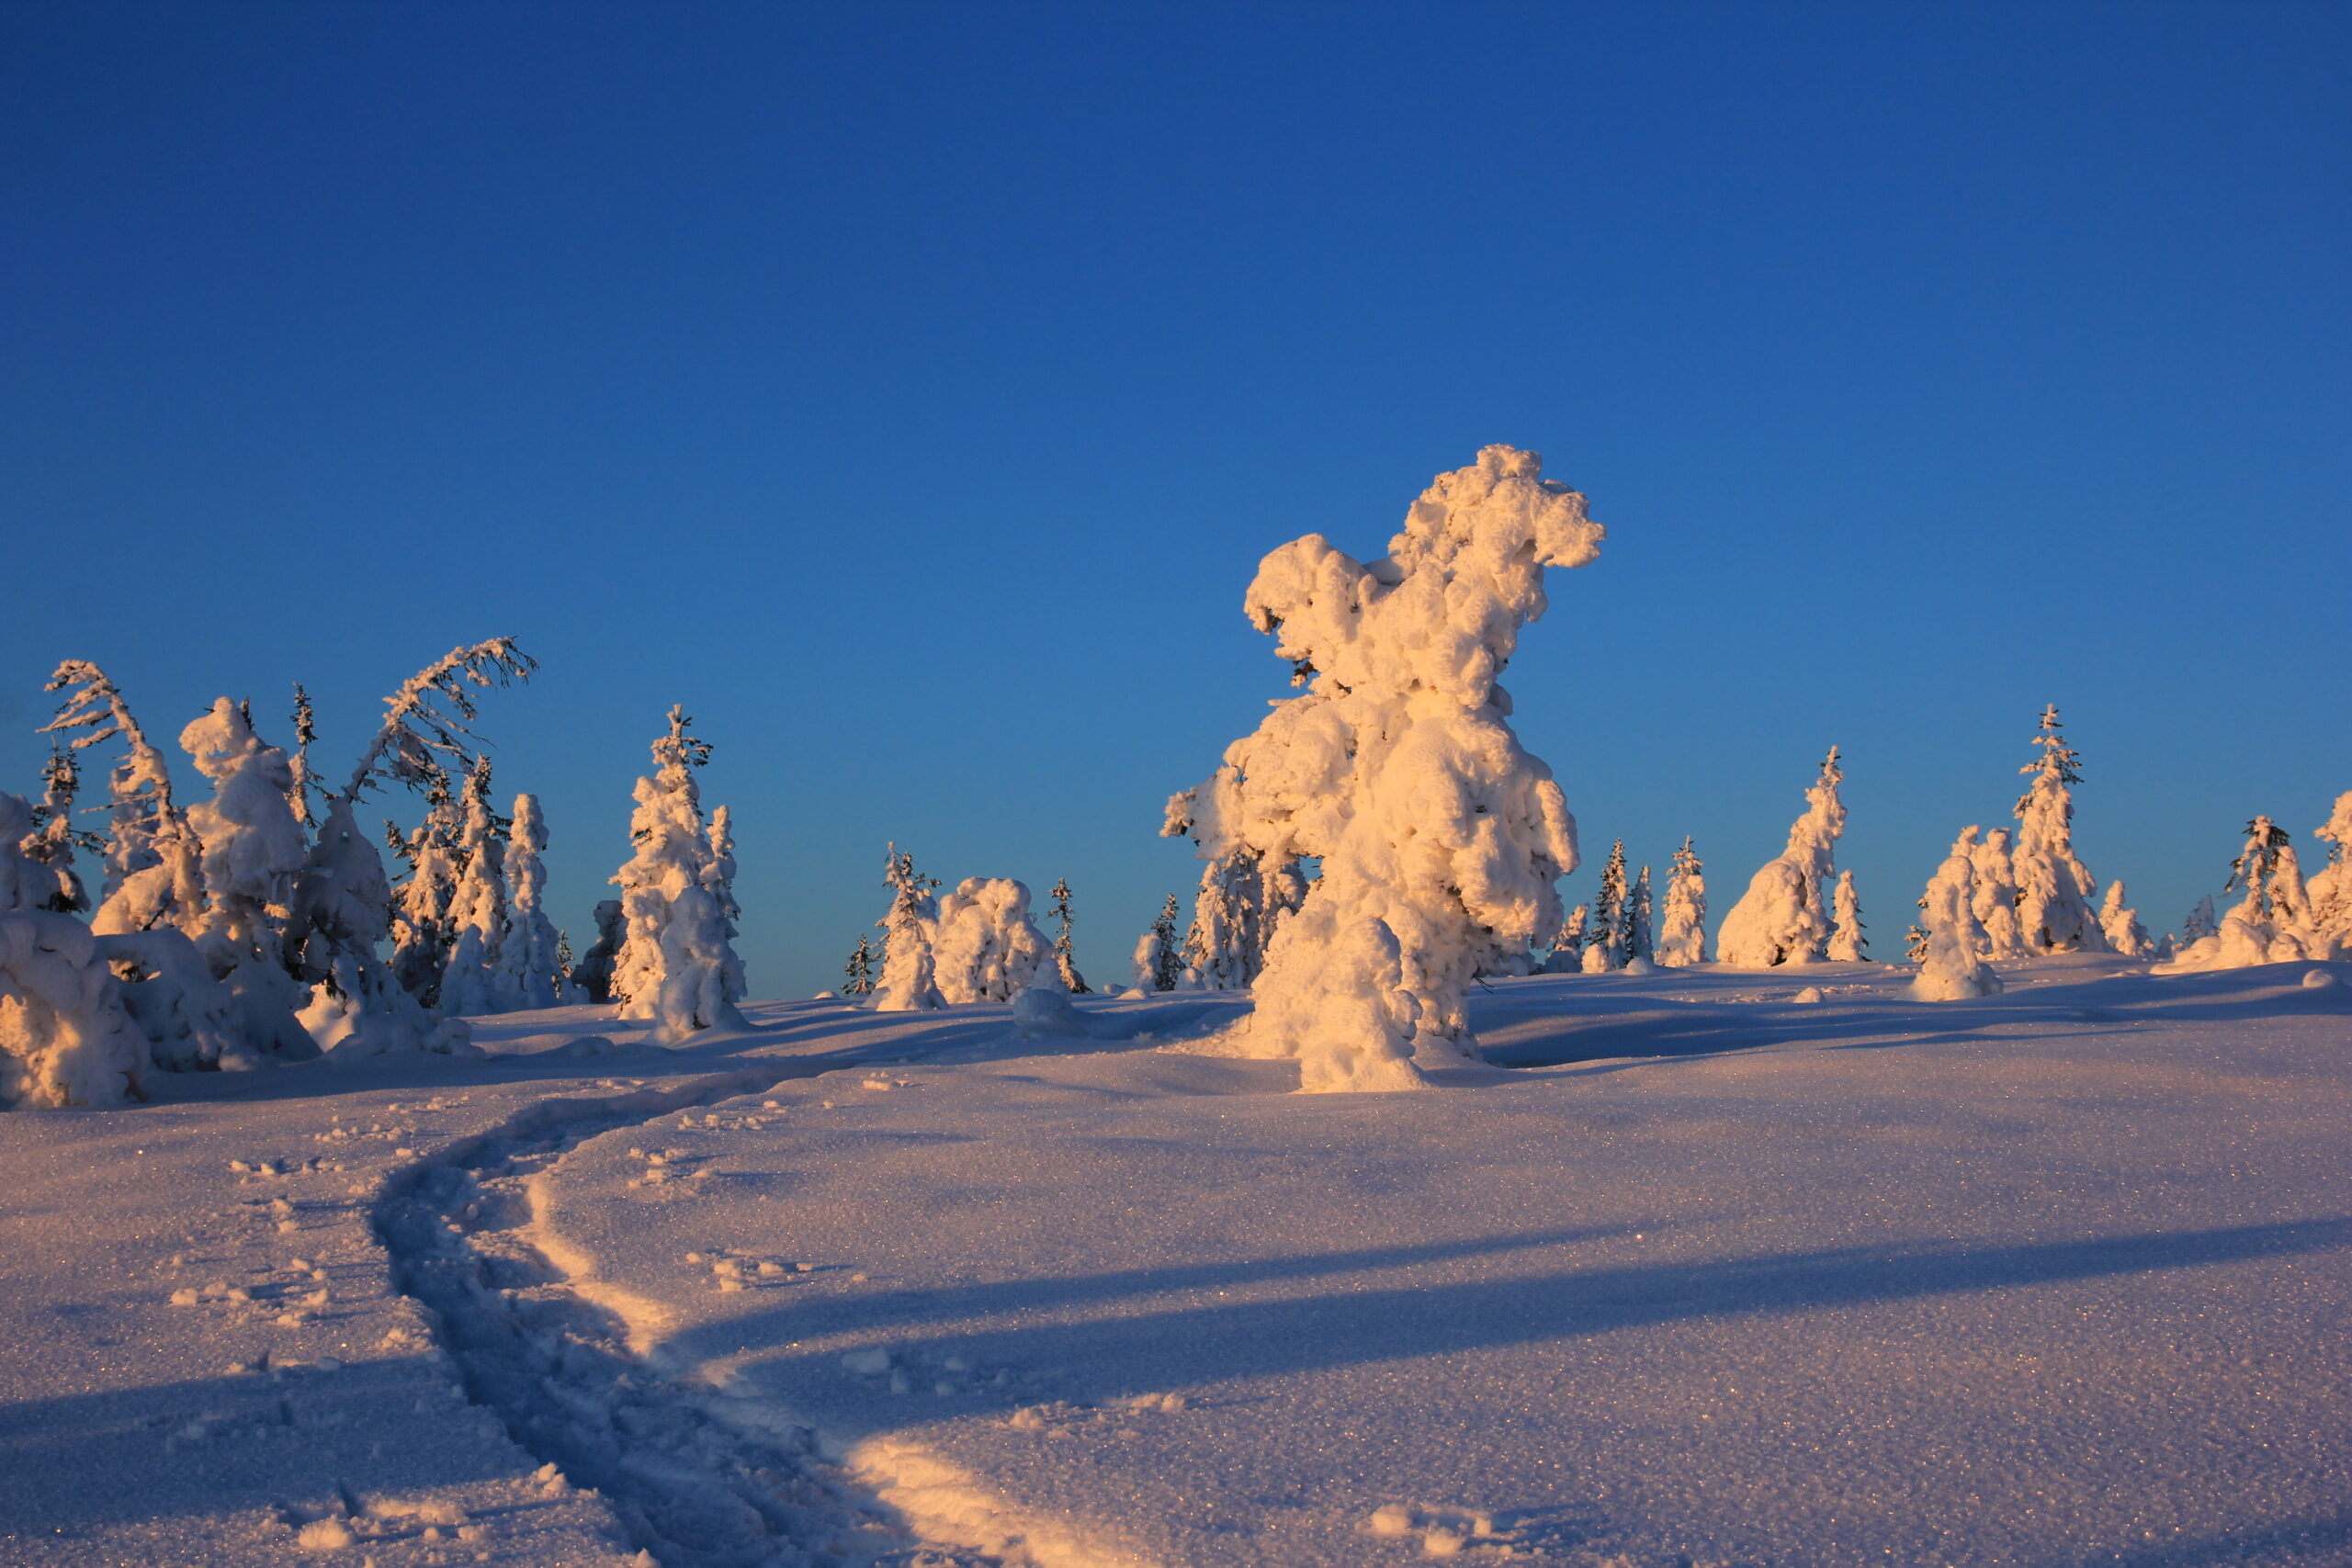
<point x="1704" y="1274"/>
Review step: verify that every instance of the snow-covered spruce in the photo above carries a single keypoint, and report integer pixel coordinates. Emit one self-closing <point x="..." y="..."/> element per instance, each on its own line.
<point x="153" y="874"/>
<point x="1950" y="969"/>
<point x="677" y="964"/>
<point x="1158" y="964"/>
<point x="531" y="970"/>
<point x="53" y="840"/>
<point x="987" y="948"/>
<point x="1065" y="949"/>
<point x="1568" y="943"/>
<point x="858" y="973"/>
<point x="909" y="982"/>
<point x="1781" y="917"/>
<point x="1994" y="901"/>
<point x="1604" y="936"/>
<point x="1847" y="943"/>
<point x="2054" y="889"/>
<point x="2331" y="886"/>
<point x="1439" y="837"/>
<point x="1640" y="939"/>
<point x="422" y="930"/>
<point x="2273" y="923"/>
<point x="1242" y="901"/>
<point x="471" y="981"/>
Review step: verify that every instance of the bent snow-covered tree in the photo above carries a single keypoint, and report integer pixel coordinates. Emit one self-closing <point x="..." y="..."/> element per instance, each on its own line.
<point x="1439" y="837"/>
<point x="2055" y="890"/>
<point x="153" y="873"/>
<point x="1783" y="917"/>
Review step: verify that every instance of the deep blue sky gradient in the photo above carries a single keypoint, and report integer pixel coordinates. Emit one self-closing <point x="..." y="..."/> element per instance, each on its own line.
<point x="911" y="390"/>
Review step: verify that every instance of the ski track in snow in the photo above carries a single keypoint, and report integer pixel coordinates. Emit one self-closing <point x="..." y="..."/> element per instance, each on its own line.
<point x="697" y="1484"/>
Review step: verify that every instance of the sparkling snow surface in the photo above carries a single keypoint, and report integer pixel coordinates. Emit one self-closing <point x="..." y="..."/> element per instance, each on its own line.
<point x="2057" y="1277"/>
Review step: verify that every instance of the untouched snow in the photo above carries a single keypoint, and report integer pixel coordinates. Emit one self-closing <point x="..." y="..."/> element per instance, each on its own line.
<point x="1703" y="1272"/>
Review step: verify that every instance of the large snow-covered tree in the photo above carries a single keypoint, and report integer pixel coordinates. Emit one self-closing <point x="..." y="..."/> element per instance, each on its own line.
<point x="677" y="966"/>
<point x="1682" y="935"/>
<point x="1783" y="917"/>
<point x="987" y="947"/>
<point x="910" y="971"/>
<point x="2055" y="890"/>
<point x="1439" y="837"/>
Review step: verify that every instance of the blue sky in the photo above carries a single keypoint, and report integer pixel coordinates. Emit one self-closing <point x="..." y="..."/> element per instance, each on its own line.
<point x="910" y="390"/>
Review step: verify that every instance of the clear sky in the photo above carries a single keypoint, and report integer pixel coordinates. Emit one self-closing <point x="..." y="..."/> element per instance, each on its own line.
<point x="910" y="390"/>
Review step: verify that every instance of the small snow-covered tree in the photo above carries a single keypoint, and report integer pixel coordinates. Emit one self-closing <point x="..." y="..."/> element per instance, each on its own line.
<point x="533" y="970"/>
<point x="1604" y="939"/>
<point x="471" y="982"/>
<point x="1683" y="938"/>
<point x="2200" y="924"/>
<point x="2125" y="935"/>
<point x="1567" y="943"/>
<point x="681" y="979"/>
<point x="910" y="968"/>
<point x="2054" y="891"/>
<point x="1847" y="943"/>
<point x="52" y="841"/>
<point x="1996" y="897"/>
<point x="2272" y="924"/>
<point x="153" y="864"/>
<point x="592" y="975"/>
<point x="1065" y="951"/>
<point x="1439" y="838"/>
<point x="2331" y="886"/>
<point x="1159" y="958"/>
<point x="1915" y="941"/>
<point x="251" y="852"/>
<point x="1951" y="970"/>
<point x="859" y="970"/>
<point x="306" y="729"/>
<point x="423" y="927"/>
<point x="987" y="947"/>
<point x="1781" y="917"/>
<point x="1640" y="939"/>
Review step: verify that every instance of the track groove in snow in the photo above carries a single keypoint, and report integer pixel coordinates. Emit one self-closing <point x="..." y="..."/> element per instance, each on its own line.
<point x="694" y="1488"/>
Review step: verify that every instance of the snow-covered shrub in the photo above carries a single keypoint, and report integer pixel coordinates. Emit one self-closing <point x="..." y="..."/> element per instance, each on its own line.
<point x="909" y="982"/>
<point x="1439" y="837"/>
<point x="1568" y="943"/>
<point x="1158" y="961"/>
<point x="153" y="871"/>
<point x="987" y="947"/>
<point x="1847" y="943"/>
<point x="2125" y="935"/>
<point x="2055" y="890"/>
<point x="531" y="971"/>
<point x="675" y="877"/>
<point x="64" y="1037"/>
<point x="473" y="981"/>
<point x="1952" y="969"/>
<point x="1781" y="917"/>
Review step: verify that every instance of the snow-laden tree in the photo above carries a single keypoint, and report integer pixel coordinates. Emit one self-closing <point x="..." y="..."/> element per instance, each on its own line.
<point x="987" y="947"/>
<point x="53" y="840"/>
<point x="425" y="927"/>
<point x="2120" y="925"/>
<point x="153" y="865"/>
<point x="681" y="978"/>
<point x="2271" y="924"/>
<point x="1847" y="943"/>
<point x="472" y="981"/>
<point x="1781" y="918"/>
<point x="1682" y="934"/>
<point x="1952" y="969"/>
<point x="1242" y="900"/>
<point x="2202" y="923"/>
<point x="306" y="729"/>
<point x="1996" y="897"/>
<point x="859" y="970"/>
<point x="1065" y="951"/>
<point x="1640" y="931"/>
<point x="1604" y="937"/>
<point x="251" y="849"/>
<point x="1915" y="941"/>
<point x="910" y="971"/>
<point x="592" y="975"/>
<point x="1439" y="837"/>
<point x="2055" y="890"/>
<point x="1158" y="956"/>
<point x="533" y="970"/>
<point x="2331" y="886"/>
<point x="1567" y="943"/>
<point x="342" y="904"/>
<point x="64" y="1037"/>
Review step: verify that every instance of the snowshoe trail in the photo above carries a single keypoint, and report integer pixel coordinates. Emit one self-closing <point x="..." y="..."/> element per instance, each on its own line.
<point x="556" y="1369"/>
